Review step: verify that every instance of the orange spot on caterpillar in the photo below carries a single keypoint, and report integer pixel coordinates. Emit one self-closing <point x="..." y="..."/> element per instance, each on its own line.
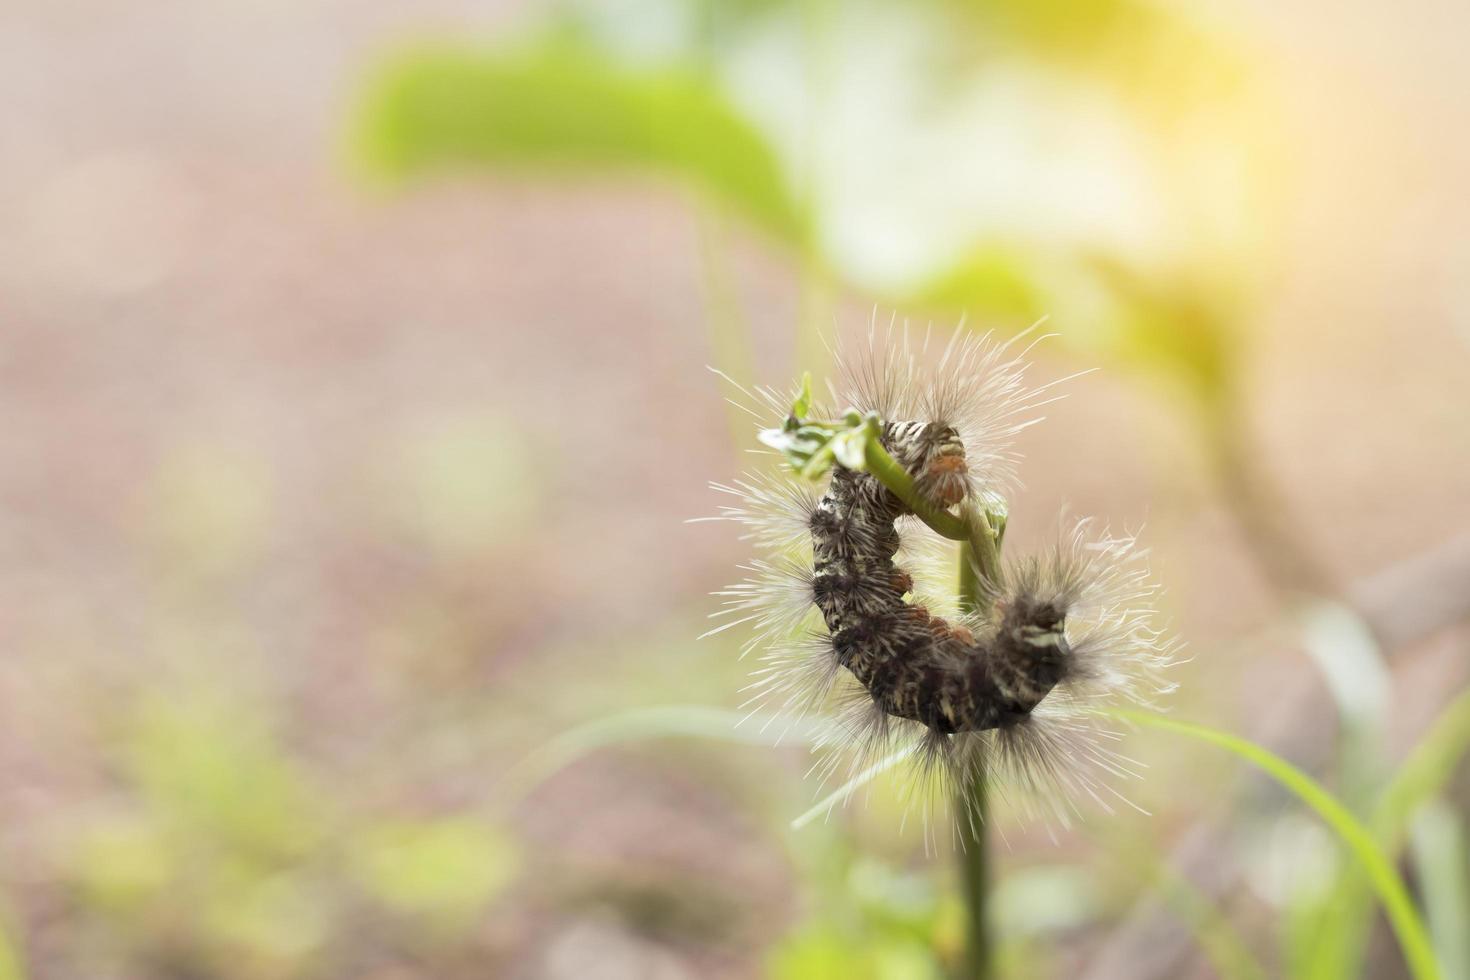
<point x="948" y="465"/>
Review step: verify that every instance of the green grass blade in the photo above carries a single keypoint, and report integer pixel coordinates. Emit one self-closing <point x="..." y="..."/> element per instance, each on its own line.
<point x="1424" y="772"/>
<point x="1407" y="925"/>
<point x="1335" y="944"/>
<point x="663" y="721"/>
<point x="1443" y="865"/>
<point x="843" y="792"/>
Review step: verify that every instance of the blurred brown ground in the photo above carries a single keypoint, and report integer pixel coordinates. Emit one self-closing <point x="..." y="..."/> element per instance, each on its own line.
<point x="396" y="466"/>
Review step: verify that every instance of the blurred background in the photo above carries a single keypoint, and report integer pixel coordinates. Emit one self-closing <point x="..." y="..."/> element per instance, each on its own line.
<point x="353" y="397"/>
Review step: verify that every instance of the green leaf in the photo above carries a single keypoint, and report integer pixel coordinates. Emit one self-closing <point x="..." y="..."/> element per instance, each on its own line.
<point x="1407" y="925"/>
<point x="819" y="463"/>
<point x="850" y="448"/>
<point x="812" y="447"/>
<point x="991" y="282"/>
<point x="557" y="105"/>
<point x="803" y="403"/>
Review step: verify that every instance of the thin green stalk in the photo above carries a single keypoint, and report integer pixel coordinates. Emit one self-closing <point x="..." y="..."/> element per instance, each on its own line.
<point x="980" y="573"/>
<point x="984" y="553"/>
<point x="971" y="808"/>
<point x="887" y="471"/>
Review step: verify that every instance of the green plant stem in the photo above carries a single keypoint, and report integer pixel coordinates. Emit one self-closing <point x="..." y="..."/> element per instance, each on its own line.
<point x="980" y="575"/>
<point x="974" y="858"/>
<point x="972" y="813"/>
<point x="887" y="471"/>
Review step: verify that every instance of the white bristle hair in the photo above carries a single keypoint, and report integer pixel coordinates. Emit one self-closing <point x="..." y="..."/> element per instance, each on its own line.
<point x="973" y="383"/>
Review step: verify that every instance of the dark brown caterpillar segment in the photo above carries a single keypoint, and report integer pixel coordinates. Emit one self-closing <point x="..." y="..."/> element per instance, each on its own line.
<point x="915" y="665"/>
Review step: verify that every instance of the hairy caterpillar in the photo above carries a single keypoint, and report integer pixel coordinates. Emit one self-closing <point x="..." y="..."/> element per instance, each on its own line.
<point x="1004" y="696"/>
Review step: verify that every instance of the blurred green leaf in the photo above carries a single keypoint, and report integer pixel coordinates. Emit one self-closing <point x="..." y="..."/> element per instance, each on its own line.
<point x="993" y="281"/>
<point x="819" y="951"/>
<point x="1175" y="326"/>
<point x="122" y="865"/>
<point x="448" y="869"/>
<point x="264" y="924"/>
<point x="215" y="772"/>
<point x="818" y="954"/>
<point x="564" y="105"/>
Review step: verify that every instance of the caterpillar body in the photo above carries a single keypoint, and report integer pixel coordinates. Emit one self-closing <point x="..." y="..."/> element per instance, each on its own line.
<point x="1006" y="696"/>
<point x="914" y="665"/>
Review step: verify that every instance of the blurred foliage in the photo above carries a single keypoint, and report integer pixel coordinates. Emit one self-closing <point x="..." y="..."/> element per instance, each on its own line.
<point x="211" y="771"/>
<point x="665" y="87"/>
<point x="874" y="920"/>
<point x="1364" y="845"/>
<point x="993" y="281"/>
<point x="232" y="862"/>
<point x="447" y="869"/>
<point x="1326" y="931"/>
<point x="563" y="105"/>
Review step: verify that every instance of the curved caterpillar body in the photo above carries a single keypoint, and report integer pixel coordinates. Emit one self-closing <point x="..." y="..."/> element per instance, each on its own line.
<point x="914" y="665"/>
<point x="1006" y="696"/>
